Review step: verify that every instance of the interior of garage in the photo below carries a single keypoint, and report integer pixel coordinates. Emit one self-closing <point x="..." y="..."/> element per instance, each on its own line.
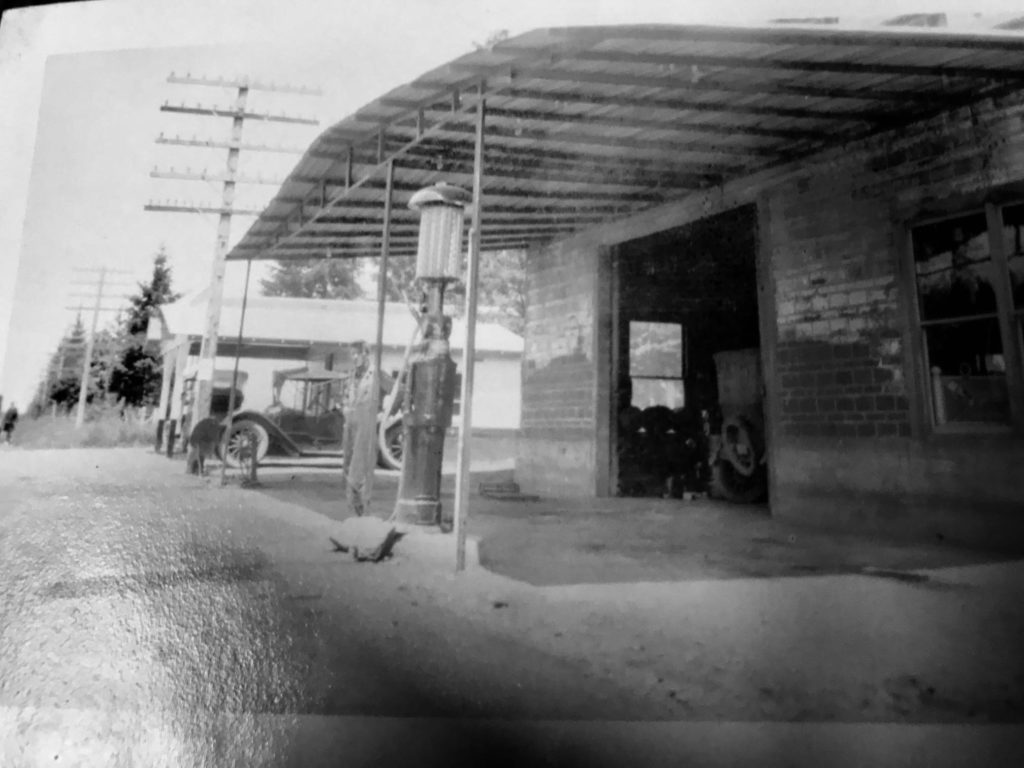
<point x="686" y="357"/>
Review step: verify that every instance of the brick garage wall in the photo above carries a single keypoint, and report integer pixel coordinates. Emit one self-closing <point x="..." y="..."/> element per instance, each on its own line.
<point x="845" y="452"/>
<point x="557" y="445"/>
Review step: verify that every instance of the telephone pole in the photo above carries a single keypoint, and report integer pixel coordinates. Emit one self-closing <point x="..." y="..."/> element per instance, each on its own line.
<point x="238" y="113"/>
<point x="100" y="286"/>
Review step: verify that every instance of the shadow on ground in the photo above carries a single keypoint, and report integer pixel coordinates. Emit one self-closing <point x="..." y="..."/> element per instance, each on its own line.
<point x="579" y="541"/>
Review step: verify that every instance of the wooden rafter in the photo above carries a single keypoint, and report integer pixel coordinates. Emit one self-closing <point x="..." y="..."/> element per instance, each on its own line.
<point x="686" y="61"/>
<point x="684" y="81"/>
<point x="843" y="38"/>
<point x="528" y="160"/>
<point x="634" y="123"/>
<point x="594" y="142"/>
<point x="676" y="105"/>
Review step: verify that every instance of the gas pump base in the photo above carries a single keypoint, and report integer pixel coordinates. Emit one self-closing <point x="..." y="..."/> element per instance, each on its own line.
<point x="422" y="510"/>
<point x="426" y="415"/>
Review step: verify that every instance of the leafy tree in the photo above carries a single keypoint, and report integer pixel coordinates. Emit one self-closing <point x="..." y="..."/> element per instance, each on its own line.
<point x="502" y="289"/>
<point x="502" y="283"/>
<point x="316" y="279"/>
<point x="401" y="277"/>
<point x="133" y="372"/>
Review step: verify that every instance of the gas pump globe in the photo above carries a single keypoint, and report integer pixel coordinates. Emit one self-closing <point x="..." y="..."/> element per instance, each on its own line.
<point x="430" y="394"/>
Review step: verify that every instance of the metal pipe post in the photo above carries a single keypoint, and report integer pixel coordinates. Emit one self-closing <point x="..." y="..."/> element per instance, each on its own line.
<point x="382" y="278"/>
<point x="234" y="384"/>
<point x="469" y="347"/>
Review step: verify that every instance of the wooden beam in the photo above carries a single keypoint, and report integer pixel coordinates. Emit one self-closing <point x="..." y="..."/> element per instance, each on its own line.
<point x="580" y="99"/>
<point x="760" y="62"/>
<point x="671" y="123"/>
<point x="527" y="162"/>
<point x="682" y="82"/>
<point x="598" y="142"/>
<point x="234" y="113"/>
<point x="507" y="170"/>
<point x="408" y="189"/>
<point x="526" y="155"/>
<point x="775" y="36"/>
<point x="338" y="232"/>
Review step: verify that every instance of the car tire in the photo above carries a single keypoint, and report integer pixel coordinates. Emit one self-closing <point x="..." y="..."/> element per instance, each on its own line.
<point x="239" y="430"/>
<point x="392" y="447"/>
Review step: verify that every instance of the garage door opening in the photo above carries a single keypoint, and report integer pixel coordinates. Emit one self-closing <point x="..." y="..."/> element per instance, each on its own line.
<point x="688" y="414"/>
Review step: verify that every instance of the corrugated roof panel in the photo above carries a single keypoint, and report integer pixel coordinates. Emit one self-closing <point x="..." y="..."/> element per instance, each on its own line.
<point x="625" y="110"/>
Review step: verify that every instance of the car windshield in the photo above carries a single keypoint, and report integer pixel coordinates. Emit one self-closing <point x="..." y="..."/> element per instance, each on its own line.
<point x="310" y="395"/>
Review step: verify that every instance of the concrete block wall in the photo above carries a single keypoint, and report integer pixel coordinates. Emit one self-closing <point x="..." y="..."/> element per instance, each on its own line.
<point x="847" y="451"/>
<point x="557" y="445"/>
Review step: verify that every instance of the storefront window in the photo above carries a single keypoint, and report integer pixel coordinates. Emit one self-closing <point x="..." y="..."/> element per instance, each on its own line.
<point x="656" y="359"/>
<point x="960" y="293"/>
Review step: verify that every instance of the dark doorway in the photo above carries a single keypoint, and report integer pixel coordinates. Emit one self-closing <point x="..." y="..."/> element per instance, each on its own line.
<point x="686" y="360"/>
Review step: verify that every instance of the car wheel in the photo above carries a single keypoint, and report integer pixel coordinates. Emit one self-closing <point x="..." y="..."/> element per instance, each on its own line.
<point x="729" y="484"/>
<point x="392" y="447"/>
<point x="238" y="442"/>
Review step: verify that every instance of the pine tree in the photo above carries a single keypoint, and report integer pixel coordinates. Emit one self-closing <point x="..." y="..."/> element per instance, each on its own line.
<point x="135" y="377"/>
<point x="64" y="371"/>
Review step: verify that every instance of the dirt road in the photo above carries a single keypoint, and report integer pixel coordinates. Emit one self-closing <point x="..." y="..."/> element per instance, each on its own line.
<point x="151" y="618"/>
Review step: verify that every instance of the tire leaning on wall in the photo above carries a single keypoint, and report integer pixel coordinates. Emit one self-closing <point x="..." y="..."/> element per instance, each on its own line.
<point x="738" y="471"/>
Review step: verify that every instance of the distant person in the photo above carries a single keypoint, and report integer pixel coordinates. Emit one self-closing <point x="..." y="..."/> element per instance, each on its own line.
<point x="9" y="422"/>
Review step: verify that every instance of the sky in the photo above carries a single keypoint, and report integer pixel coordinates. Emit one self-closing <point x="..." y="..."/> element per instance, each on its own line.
<point x="81" y="86"/>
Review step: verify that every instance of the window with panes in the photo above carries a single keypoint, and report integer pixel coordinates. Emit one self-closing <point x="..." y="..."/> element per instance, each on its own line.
<point x="969" y="275"/>
<point x="657" y="364"/>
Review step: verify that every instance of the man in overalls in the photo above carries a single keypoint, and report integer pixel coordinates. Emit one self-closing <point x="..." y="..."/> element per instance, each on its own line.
<point x="360" y="432"/>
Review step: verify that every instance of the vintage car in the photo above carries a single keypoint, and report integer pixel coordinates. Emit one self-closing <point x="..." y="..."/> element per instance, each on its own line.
<point x="305" y="419"/>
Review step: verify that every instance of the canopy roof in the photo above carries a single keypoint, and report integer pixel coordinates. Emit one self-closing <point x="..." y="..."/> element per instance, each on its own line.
<point x="588" y="124"/>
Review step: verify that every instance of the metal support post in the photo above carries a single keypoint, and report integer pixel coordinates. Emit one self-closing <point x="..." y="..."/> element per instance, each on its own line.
<point x="364" y="483"/>
<point x="254" y="451"/>
<point x="462" y="460"/>
<point x="382" y="280"/>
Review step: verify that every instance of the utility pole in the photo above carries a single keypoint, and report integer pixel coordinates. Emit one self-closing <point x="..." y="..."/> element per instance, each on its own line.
<point x="238" y="113"/>
<point x="100" y="286"/>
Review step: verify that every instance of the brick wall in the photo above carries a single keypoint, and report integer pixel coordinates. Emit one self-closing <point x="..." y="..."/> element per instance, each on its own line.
<point x="557" y="443"/>
<point x="842" y="377"/>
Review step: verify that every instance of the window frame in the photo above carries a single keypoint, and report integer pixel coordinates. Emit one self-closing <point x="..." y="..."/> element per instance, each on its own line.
<point x="684" y="350"/>
<point x="1007" y="316"/>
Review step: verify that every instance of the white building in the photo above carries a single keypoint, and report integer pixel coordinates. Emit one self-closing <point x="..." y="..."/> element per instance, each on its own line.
<point x="280" y="331"/>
